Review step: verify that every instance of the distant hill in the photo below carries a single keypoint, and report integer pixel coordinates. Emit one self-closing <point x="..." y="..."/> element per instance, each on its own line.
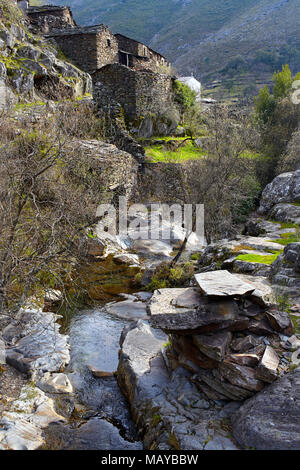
<point x="236" y="42"/>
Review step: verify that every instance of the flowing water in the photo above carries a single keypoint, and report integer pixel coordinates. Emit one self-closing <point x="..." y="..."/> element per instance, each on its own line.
<point x="102" y="420"/>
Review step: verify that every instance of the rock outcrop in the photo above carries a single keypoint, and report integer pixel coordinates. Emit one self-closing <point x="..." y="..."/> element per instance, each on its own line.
<point x="224" y="336"/>
<point x="224" y="346"/>
<point x="35" y="347"/>
<point x="116" y="169"/>
<point x="31" y="67"/>
<point x="22" y="427"/>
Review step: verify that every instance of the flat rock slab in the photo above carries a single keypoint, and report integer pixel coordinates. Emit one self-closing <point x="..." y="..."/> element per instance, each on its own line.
<point x="174" y="301"/>
<point x="249" y="360"/>
<point x="188" y="312"/>
<point x="216" y="388"/>
<point x="241" y="376"/>
<point x="39" y="346"/>
<point x="100" y="374"/>
<point x="222" y="284"/>
<point x="128" y="310"/>
<point x="271" y="419"/>
<point x="264" y="294"/>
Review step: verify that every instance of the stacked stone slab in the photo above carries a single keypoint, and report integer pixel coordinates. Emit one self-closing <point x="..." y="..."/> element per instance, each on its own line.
<point x="224" y="332"/>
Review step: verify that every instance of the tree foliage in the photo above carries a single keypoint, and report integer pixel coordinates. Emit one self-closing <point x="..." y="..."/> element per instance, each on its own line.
<point x="277" y="118"/>
<point x="184" y="96"/>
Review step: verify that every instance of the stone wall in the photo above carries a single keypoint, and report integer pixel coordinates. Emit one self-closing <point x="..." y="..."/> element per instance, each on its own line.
<point x="48" y="18"/>
<point x="138" y="92"/>
<point x="90" y="48"/>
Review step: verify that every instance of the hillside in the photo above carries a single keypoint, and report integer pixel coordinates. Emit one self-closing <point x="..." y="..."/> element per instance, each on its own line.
<point x="215" y="39"/>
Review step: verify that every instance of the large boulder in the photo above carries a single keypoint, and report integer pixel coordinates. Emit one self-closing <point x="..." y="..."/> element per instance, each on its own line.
<point x="285" y="271"/>
<point x="285" y="188"/>
<point x="271" y="419"/>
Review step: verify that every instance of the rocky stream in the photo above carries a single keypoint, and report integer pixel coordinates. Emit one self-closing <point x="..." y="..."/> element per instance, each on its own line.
<point x="209" y="366"/>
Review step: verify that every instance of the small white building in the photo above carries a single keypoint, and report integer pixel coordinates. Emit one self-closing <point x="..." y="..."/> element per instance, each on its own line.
<point x="23" y="4"/>
<point x="193" y="84"/>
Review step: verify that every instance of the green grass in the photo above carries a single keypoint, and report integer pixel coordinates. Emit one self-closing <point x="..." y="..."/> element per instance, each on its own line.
<point x="157" y="153"/>
<point x="289" y="225"/>
<point x="262" y="259"/>
<point x="288" y="237"/>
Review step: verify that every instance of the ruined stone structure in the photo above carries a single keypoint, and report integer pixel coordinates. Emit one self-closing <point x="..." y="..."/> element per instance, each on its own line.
<point x="90" y="47"/>
<point x="46" y="18"/>
<point x="138" y="92"/>
<point x="135" y="54"/>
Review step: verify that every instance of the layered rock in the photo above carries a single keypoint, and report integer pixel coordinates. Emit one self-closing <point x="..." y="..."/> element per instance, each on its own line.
<point x="228" y="337"/>
<point x="31" y="67"/>
<point x="167" y="407"/>
<point x="34" y="346"/>
<point x="22" y="427"/>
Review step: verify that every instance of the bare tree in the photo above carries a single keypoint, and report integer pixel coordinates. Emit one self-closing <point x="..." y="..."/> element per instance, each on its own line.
<point x="224" y="178"/>
<point x="48" y="198"/>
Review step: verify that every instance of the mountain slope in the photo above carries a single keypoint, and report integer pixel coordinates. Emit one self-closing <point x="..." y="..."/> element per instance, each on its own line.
<point x="226" y="39"/>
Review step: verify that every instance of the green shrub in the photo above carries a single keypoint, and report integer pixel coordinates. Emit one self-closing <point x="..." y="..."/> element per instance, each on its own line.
<point x="184" y="96"/>
<point x="166" y="277"/>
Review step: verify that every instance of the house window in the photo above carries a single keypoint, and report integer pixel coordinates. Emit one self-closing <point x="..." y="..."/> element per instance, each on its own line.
<point x="109" y="43"/>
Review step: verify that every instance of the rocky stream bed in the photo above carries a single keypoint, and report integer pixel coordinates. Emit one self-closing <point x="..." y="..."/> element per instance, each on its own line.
<point x="209" y="366"/>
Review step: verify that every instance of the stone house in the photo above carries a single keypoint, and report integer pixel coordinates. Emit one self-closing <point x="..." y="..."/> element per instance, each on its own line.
<point x="88" y="47"/>
<point x="136" y="54"/>
<point x="46" y="18"/>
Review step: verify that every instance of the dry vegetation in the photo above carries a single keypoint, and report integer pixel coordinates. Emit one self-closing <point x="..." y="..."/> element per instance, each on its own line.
<point x="48" y="199"/>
